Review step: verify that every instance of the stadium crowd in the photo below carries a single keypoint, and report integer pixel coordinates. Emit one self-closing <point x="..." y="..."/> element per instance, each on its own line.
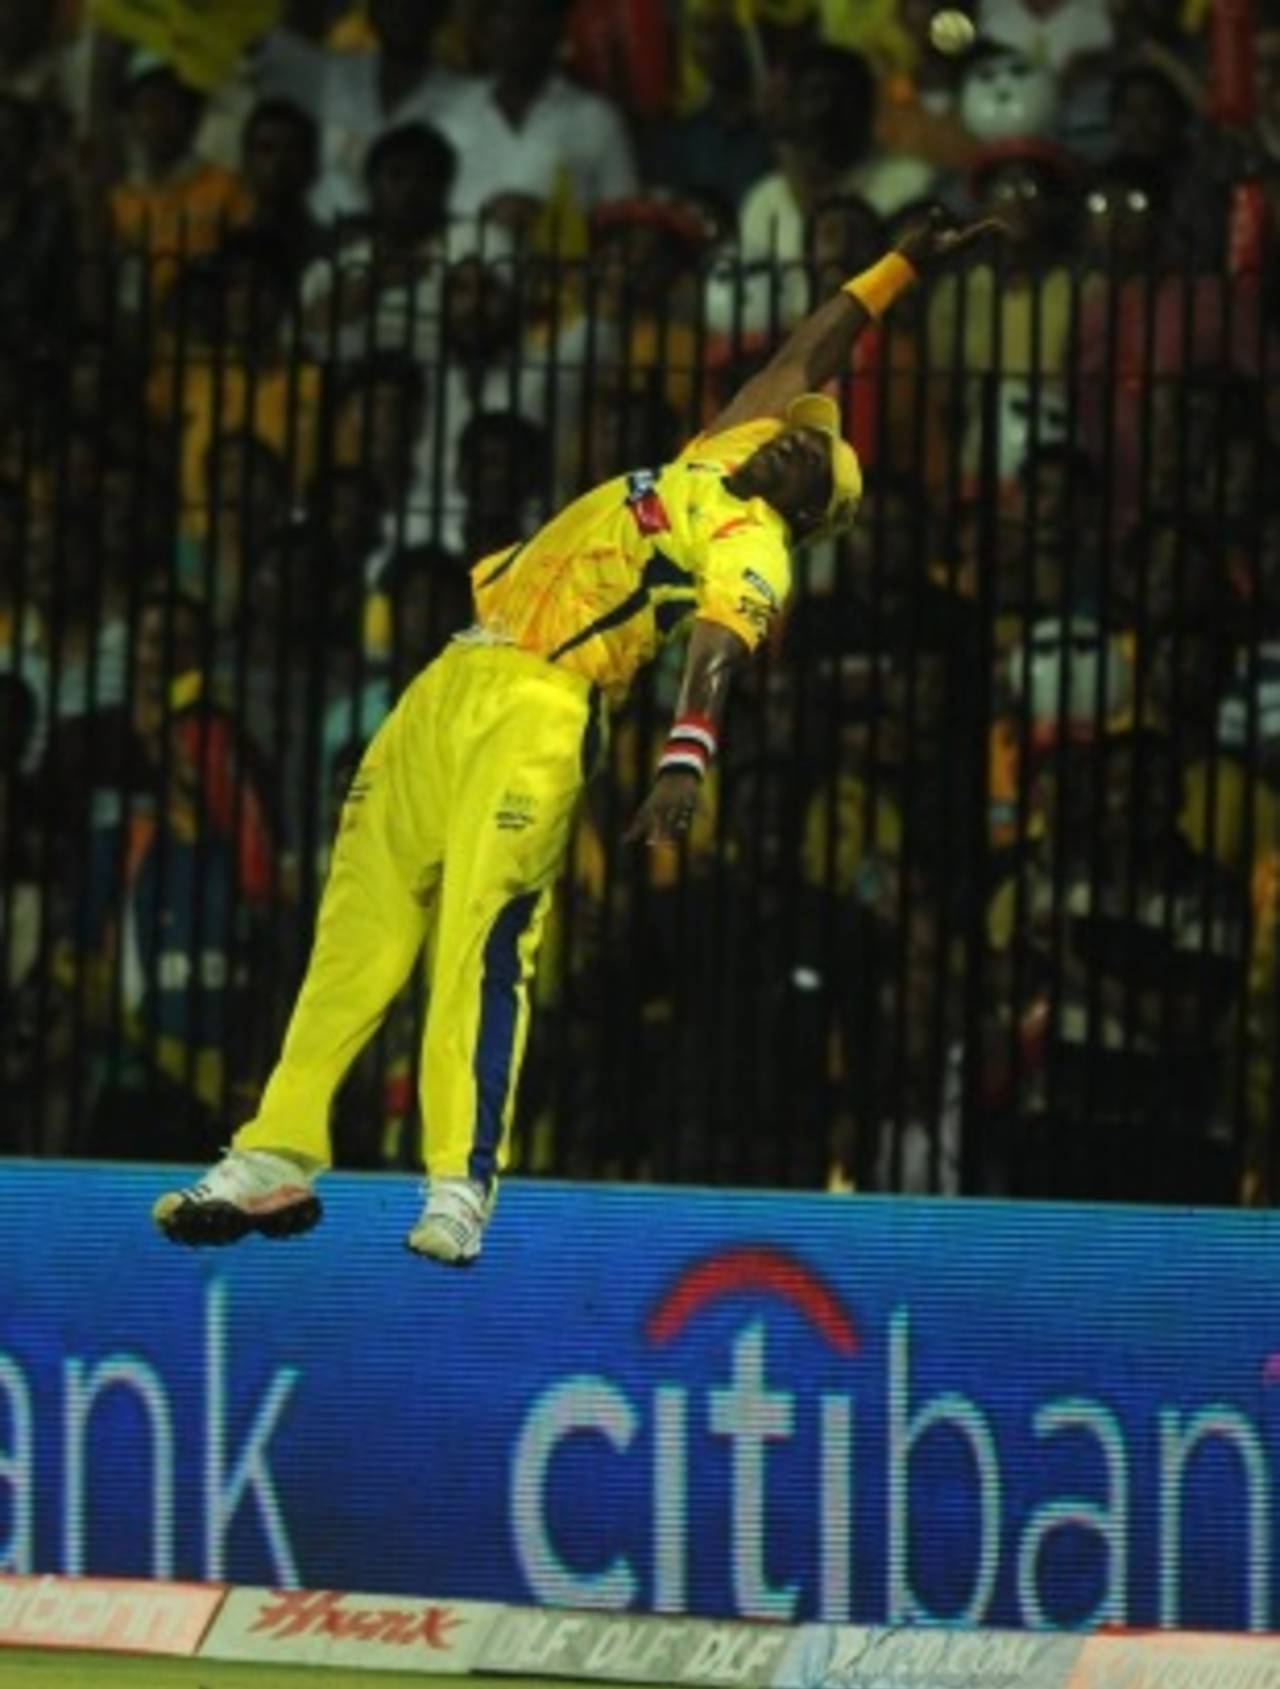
<point x="305" y="308"/>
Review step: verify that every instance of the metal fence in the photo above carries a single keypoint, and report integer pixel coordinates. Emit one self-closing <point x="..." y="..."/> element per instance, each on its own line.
<point x="984" y="895"/>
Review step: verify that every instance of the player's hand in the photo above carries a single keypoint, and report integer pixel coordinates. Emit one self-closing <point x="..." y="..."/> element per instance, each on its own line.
<point x="668" y="812"/>
<point x="938" y="236"/>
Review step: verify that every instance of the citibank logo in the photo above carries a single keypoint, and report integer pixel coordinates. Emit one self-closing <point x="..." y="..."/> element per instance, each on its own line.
<point x="687" y="1465"/>
<point x="757" y="1269"/>
<point x="652" y="1439"/>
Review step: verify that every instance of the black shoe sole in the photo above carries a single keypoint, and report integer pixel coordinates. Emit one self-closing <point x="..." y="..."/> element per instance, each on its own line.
<point x="210" y="1225"/>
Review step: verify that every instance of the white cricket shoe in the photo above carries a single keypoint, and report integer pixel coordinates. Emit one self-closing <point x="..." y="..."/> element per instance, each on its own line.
<point x="249" y="1190"/>
<point x="451" y="1228"/>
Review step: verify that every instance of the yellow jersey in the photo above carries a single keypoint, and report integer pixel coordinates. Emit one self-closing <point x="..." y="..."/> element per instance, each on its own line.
<point x="604" y="584"/>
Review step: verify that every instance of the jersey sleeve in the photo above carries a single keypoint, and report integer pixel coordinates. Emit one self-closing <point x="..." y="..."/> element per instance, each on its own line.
<point x="746" y="579"/>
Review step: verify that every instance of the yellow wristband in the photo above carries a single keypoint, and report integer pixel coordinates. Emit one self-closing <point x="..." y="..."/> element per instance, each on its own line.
<point x="877" y="288"/>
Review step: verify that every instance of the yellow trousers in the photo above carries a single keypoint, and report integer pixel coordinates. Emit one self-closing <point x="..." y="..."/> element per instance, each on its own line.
<point x="458" y="819"/>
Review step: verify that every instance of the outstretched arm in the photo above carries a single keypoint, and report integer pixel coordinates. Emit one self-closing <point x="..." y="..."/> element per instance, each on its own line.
<point x="715" y="655"/>
<point x="818" y="349"/>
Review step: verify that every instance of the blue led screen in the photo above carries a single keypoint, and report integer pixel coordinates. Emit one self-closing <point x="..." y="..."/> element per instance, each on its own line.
<point x="785" y="1407"/>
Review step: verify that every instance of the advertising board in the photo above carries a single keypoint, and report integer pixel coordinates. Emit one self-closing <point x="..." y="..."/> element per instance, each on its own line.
<point x="792" y="1408"/>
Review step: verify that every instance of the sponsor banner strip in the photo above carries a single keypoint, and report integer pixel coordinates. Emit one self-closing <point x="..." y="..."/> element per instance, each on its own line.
<point x="626" y="1648"/>
<point x="399" y="1633"/>
<point x="857" y="1657"/>
<point x="330" y="1627"/>
<point x="1172" y="1660"/>
<point x="109" y="1615"/>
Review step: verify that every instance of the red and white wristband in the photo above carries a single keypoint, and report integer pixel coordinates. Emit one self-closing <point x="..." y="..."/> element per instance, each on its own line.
<point x="691" y="744"/>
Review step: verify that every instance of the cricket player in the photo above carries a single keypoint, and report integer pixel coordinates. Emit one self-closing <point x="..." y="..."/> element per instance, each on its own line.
<point x="461" y="812"/>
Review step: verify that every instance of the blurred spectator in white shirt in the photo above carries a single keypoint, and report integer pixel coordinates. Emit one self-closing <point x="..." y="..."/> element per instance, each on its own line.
<point x="524" y="128"/>
<point x="357" y="97"/>
<point x="383" y="288"/>
<point x="823" y="129"/>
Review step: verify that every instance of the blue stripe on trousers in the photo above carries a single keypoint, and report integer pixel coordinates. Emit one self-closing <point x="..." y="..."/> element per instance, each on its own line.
<point x="496" y="1038"/>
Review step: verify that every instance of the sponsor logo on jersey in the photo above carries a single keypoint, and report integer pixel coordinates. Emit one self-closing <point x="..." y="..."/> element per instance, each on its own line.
<point x="646" y="507"/>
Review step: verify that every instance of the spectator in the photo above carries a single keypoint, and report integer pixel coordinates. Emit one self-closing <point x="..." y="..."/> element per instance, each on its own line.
<point x="166" y="908"/>
<point x="427" y="598"/>
<point x="1053" y="32"/>
<point x="879" y="577"/>
<point x="80" y="672"/>
<point x="38" y="64"/>
<point x="381" y="414"/>
<point x="382" y="291"/>
<point x="430" y="600"/>
<point x="503" y="474"/>
<point x="170" y="206"/>
<point x="1007" y="96"/>
<point x="626" y="428"/>
<point x="1125" y="206"/>
<point x="645" y="253"/>
<point x="19" y="433"/>
<point x="342" y="540"/>
<point x="882" y="396"/>
<point x="73" y="651"/>
<point x="824" y="132"/>
<point x="25" y="603"/>
<point x="245" y="379"/>
<point x="21" y="822"/>
<point x="524" y="127"/>
<point x="720" y="147"/>
<point x="1134" y="1068"/>
<point x="362" y="95"/>
<point x="104" y="382"/>
<point x="1056" y="549"/>
<point x="1016" y="320"/>
<point x="37" y="236"/>
<point x="1162" y="35"/>
<point x="625" y="50"/>
<point x="1165" y="575"/>
<point x="1150" y="118"/>
<point x="290" y="62"/>
<point x="1268" y="121"/>
<point x="750" y="302"/>
<point x="247" y="498"/>
<point x="280" y="150"/>
<point x="501" y="363"/>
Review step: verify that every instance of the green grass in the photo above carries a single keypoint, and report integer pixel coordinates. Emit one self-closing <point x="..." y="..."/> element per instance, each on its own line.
<point x="22" y="1668"/>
